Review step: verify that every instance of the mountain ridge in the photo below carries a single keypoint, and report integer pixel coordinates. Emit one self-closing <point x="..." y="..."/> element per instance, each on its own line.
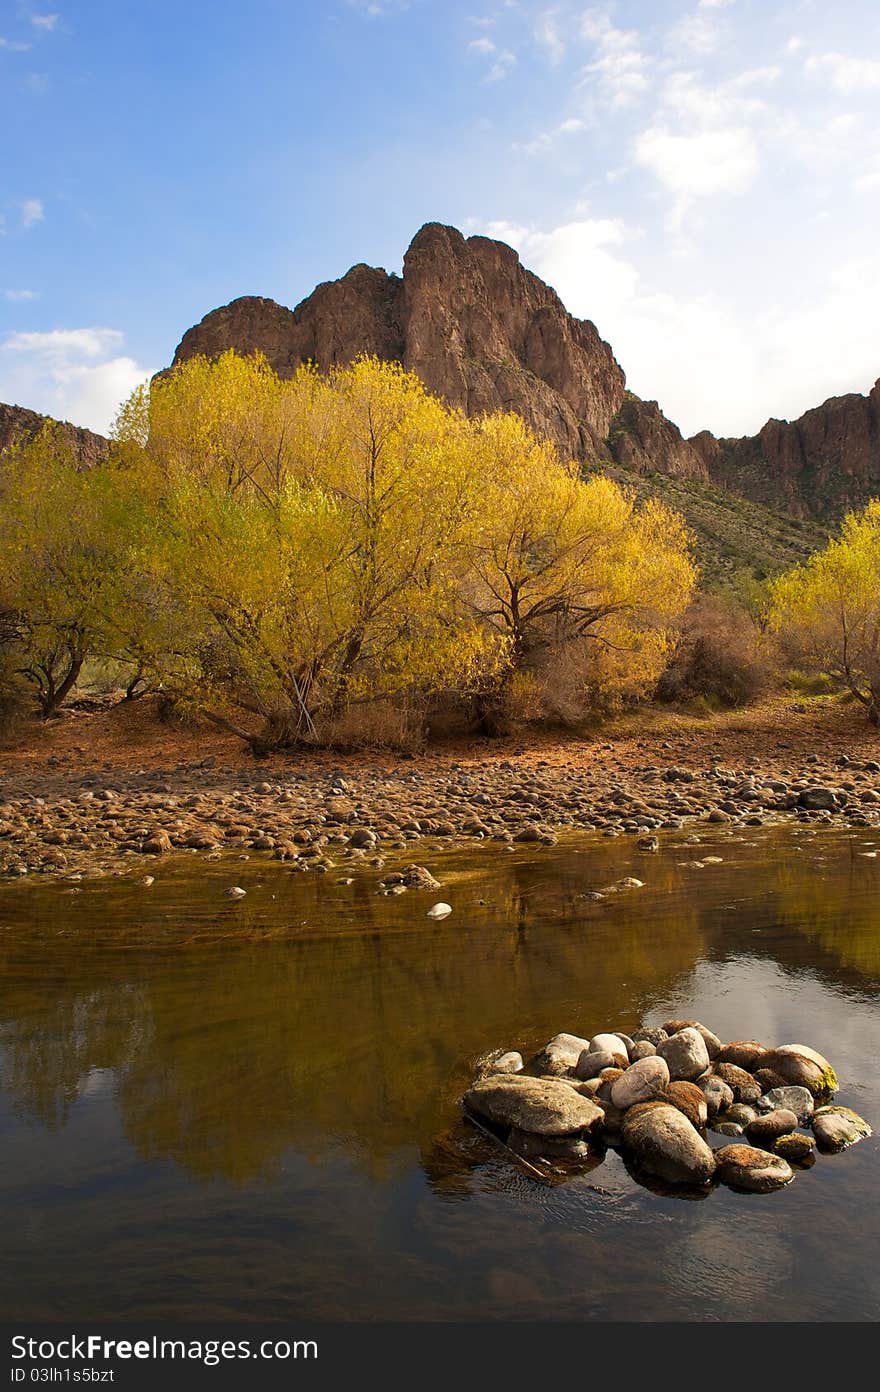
<point x="485" y="333"/>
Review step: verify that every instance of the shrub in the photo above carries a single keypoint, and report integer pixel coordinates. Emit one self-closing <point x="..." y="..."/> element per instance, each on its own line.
<point x="720" y="658"/>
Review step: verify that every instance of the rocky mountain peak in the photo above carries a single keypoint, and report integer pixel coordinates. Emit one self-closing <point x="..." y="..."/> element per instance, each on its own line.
<point x="479" y="329"/>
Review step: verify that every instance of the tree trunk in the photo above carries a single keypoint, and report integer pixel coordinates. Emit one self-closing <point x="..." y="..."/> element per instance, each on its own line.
<point x="53" y="697"/>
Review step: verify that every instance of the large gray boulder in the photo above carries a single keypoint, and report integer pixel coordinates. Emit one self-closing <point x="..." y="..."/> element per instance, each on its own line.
<point x="545" y="1106"/>
<point x="685" y="1053"/>
<point x="664" y="1143"/>
<point x="818" y="799"/>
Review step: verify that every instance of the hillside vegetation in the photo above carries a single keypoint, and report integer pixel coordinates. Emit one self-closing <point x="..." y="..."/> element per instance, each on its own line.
<point x="737" y="541"/>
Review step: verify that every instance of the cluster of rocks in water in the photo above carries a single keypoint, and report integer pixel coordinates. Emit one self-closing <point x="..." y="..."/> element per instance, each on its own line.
<point x="57" y="822"/>
<point x="656" y="1095"/>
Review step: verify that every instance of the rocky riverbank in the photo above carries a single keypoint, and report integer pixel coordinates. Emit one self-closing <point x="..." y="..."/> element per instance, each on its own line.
<point x="68" y="813"/>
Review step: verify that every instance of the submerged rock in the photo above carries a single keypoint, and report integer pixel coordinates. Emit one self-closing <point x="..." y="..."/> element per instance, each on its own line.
<point x="664" y="1143"/>
<point x="528" y="1144"/>
<point x="417" y="877"/>
<point x="544" y="1106"/>
<point x="499" y="1061"/>
<point x="756" y="1171"/>
<point x="835" y="1128"/>
<point x="795" y="1147"/>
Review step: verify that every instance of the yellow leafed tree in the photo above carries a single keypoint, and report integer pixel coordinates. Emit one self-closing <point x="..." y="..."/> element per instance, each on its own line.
<point x="62" y="555"/>
<point x="307" y="538"/>
<point x="272" y="553"/>
<point x="827" y="611"/>
<point x="559" y="563"/>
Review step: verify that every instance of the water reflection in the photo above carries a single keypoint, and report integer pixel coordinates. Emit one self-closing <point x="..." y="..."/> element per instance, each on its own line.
<point x="301" y="1057"/>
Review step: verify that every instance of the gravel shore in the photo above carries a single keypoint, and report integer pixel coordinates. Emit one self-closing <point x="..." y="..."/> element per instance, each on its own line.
<point x="65" y="816"/>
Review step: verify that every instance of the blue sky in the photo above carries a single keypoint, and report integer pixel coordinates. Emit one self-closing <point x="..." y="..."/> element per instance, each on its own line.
<point x="699" y="177"/>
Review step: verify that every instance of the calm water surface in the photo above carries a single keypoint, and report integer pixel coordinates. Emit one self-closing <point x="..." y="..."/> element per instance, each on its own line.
<point x="218" y="1110"/>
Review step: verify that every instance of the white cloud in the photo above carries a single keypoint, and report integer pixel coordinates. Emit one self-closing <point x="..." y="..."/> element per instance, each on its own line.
<point x="502" y="66"/>
<point x="580" y="261"/>
<point x="696" y="103"/>
<point x="697" y="33"/>
<point x="543" y="142"/>
<point x="18" y="296"/>
<point x="757" y="77"/>
<point x="711" y="161"/>
<point x="714" y="4"/>
<point x="620" y="68"/>
<point x="14" y="45"/>
<point x="72" y="374"/>
<point x="46" y="21"/>
<point x="503" y="60"/>
<point x="548" y="35"/>
<point x="845" y="74"/>
<point x="32" y="212"/>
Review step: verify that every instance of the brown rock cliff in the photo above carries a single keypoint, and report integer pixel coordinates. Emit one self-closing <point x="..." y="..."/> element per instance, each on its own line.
<point x="643" y="440"/>
<point x="820" y="465"/>
<point x="19" y="426"/>
<point x="478" y="328"/>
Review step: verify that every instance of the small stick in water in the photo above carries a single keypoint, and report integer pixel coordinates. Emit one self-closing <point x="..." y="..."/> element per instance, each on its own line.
<point x="520" y="1159"/>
